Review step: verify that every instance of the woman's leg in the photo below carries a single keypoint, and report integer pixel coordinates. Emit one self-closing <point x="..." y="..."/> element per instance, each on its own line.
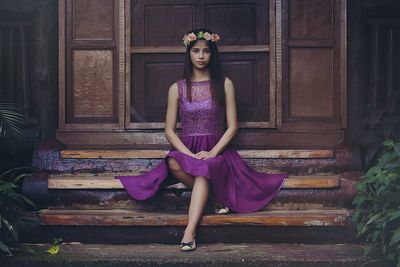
<point x="185" y="178"/>
<point x="198" y="201"/>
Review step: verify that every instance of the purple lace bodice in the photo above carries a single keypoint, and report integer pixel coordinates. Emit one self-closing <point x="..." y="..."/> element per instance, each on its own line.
<point x="201" y="116"/>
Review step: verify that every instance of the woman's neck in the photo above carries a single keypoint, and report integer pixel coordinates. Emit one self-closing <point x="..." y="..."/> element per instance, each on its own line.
<point x="200" y="75"/>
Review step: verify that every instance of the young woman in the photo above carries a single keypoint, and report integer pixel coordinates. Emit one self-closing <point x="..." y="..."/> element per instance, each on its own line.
<point x="201" y="158"/>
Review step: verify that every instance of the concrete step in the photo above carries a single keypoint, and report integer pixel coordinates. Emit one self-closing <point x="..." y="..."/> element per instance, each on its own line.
<point x="212" y="255"/>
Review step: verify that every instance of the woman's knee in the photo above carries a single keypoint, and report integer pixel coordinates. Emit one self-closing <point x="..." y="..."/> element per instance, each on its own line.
<point x="173" y="165"/>
<point x="203" y="179"/>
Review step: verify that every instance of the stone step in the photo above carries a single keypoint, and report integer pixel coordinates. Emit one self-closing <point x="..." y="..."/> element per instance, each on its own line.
<point x="119" y="217"/>
<point x="211" y="255"/>
<point x="107" y="181"/>
<point x="53" y="157"/>
<point x="158" y="154"/>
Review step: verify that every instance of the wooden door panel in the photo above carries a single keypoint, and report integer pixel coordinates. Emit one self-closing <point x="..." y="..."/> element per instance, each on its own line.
<point x="92" y="88"/>
<point x="152" y="74"/>
<point x="311" y="88"/>
<point x="155" y="23"/>
<point x="239" y="23"/>
<point x="92" y="19"/>
<point x="311" y="19"/>
<point x="250" y="75"/>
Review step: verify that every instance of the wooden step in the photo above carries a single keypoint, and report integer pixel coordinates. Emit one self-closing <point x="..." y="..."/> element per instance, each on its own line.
<point x="316" y="218"/>
<point x="107" y="181"/>
<point x="157" y="154"/>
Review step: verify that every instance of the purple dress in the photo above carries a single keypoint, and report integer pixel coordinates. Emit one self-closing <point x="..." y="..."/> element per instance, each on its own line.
<point x="234" y="183"/>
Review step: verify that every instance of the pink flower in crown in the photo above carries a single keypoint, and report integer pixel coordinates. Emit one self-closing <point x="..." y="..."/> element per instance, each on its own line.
<point x="189" y="38"/>
<point x="215" y="37"/>
<point x="207" y="36"/>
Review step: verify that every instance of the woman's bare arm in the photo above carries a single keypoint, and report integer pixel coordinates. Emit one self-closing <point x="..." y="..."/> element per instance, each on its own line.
<point x="170" y="121"/>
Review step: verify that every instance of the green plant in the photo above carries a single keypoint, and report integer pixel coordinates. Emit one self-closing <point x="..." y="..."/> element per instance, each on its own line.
<point x="11" y="202"/>
<point x="377" y="210"/>
<point x="11" y="120"/>
<point x="11" y="206"/>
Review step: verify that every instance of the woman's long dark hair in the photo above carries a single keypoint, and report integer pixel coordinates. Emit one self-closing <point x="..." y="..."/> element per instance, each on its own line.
<point x="216" y="75"/>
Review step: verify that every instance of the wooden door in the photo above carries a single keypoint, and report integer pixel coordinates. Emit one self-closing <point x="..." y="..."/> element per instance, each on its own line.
<point x="91" y="83"/>
<point x="314" y="65"/>
<point x="287" y="59"/>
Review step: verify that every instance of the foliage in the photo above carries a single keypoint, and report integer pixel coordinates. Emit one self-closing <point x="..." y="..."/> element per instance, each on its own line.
<point x="11" y="120"/>
<point x="55" y="248"/>
<point x="11" y="202"/>
<point x="377" y="210"/>
<point x="11" y="206"/>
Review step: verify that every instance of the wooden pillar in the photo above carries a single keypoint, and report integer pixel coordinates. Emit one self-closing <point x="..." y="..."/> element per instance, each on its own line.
<point x="358" y="62"/>
<point x="45" y="69"/>
<point x="26" y="99"/>
<point x="390" y="65"/>
<point x="375" y="75"/>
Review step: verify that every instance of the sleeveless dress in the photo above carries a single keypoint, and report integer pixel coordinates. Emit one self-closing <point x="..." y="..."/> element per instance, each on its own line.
<point x="234" y="183"/>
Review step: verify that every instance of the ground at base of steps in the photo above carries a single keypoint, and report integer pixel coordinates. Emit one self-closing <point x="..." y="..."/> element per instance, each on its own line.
<point x="282" y="255"/>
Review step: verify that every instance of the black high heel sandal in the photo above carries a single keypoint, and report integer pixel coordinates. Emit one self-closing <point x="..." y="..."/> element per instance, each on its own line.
<point x="222" y="210"/>
<point x="189" y="246"/>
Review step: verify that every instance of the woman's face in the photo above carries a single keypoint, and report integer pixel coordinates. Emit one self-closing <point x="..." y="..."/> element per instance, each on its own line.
<point x="200" y="54"/>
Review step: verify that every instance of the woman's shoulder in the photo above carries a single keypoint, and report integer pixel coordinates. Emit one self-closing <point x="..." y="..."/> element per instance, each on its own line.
<point x="179" y="83"/>
<point x="228" y="84"/>
<point x="176" y="87"/>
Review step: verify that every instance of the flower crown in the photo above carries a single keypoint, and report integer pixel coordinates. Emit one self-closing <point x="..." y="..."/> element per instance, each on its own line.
<point x="188" y="38"/>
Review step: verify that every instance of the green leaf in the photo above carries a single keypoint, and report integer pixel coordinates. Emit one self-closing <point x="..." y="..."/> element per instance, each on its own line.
<point x="4" y="248"/>
<point x="11" y="119"/>
<point x="27" y="248"/>
<point x="375" y="236"/>
<point x="27" y="200"/>
<point x="395" y="238"/>
<point x="370" y="221"/>
<point x="394" y="215"/>
<point x="358" y="199"/>
<point x="11" y="229"/>
<point x="388" y="143"/>
<point x="372" y="171"/>
<point x="57" y="241"/>
<point x="53" y="250"/>
<point x="18" y="178"/>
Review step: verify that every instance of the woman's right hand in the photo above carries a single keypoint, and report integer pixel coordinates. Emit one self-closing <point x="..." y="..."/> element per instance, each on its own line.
<point x="193" y="155"/>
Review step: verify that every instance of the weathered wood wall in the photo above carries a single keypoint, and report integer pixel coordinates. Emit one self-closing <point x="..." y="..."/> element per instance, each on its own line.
<point x="29" y="72"/>
<point x="36" y="90"/>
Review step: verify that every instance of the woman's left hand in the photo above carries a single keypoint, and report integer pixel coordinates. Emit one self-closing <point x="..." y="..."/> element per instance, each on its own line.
<point x="205" y="155"/>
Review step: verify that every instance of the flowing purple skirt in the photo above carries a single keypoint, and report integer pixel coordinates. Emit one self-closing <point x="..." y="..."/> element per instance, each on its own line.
<point x="234" y="183"/>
